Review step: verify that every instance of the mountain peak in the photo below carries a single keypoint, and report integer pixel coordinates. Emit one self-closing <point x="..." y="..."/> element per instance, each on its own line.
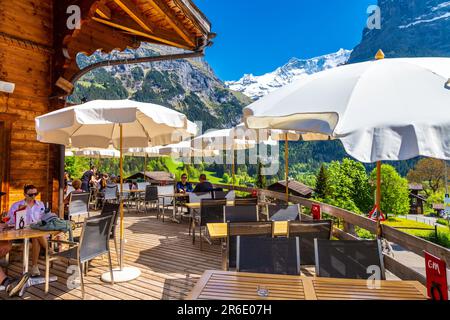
<point x="258" y="86"/>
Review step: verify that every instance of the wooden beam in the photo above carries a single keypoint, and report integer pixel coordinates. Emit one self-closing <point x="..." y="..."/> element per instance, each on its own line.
<point x="133" y="11"/>
<point x="173" y="20"/>
<point x="161" y="37"/>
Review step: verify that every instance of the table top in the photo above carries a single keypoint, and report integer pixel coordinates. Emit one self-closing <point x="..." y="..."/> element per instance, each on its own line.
<point x="27" y="233"/>
<point x="225" y="285"/>
<point x="175" y="195"/>
<point x="220" y="231"/>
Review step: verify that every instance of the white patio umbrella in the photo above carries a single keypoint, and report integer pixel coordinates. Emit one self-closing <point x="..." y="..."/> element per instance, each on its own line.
<point x="388" y="109"/>
<point x="185" y="150"/>
<point x="122" y="123"/>
<point x="224" y="139"/>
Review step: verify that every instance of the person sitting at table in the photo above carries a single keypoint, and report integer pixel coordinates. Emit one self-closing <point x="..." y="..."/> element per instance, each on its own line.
<point x="76" y="184"/>
<point x="184" y="186"/>
<point x="204" y="185"/>
<point x="34" y="211"/>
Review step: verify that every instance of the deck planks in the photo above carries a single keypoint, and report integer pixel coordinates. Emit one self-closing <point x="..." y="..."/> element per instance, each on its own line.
<point x="169" y="262"/>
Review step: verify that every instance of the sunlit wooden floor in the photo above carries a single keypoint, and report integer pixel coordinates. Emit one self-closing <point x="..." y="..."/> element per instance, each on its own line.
<point x="169" y="262"/>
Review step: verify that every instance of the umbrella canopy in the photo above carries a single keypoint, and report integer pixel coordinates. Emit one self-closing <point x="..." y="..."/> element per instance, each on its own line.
<point x="124" y="124"/>
<point x="185" y="150"/>
<point x="96" y="124"/>
<point x="93" y="153"/>
<point x="389" y="109"/>
<point x="224" y="139"/>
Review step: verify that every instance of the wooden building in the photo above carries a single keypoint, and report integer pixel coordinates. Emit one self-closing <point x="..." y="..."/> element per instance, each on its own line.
<point x="416" y="201"/>
<point x="39" y="42"/>
<point x="295" y="188"/>
<point x="154" y="177"/>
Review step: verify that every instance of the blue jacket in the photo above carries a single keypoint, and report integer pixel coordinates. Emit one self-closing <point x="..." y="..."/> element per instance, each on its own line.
<point x="187" y="187"/>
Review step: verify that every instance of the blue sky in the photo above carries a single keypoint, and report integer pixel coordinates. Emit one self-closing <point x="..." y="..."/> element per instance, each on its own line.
<point x="257" y="36"/>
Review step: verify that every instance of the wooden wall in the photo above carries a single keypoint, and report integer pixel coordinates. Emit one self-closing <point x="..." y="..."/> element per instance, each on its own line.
<point x="26" y="41"/>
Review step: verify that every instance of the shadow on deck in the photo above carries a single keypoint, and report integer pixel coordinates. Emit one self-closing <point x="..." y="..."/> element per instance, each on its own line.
<point x="169" y="262"/>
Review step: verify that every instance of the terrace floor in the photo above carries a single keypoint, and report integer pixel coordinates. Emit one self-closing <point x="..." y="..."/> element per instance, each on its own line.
<point x="169" y="262"/>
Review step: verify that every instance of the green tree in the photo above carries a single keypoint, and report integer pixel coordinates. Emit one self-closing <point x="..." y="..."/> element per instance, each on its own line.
<point x="430" y="173"/>
<point x="394" y="191"/>
<point x="322" y="183"/>
<point x="226" y="178"/>
<point x="348" y="186"/>
<point x="261" y="181"/>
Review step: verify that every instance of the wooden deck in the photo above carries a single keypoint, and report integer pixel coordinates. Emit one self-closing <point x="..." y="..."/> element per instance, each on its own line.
<point x="170" y="265"/>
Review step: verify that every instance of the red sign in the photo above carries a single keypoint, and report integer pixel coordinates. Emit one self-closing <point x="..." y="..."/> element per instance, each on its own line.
<point x="254" y="193"/>
<point x="436" y="272"/>
<point x="373" y="215"/>
<point x="315" y="210"/>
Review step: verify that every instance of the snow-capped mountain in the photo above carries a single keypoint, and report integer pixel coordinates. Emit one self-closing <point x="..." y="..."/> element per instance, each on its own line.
<point x="409" y="28"/>
<point x="257" y="86"/>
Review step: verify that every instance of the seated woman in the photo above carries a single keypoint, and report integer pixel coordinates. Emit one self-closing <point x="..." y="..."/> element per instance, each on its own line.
<point x="76" y="184"/>
<point x="34" y="211"/>
<point x="184" y="186"/>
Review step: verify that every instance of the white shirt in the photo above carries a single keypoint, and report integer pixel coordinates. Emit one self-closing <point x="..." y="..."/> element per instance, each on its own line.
<point x="33" y="215"/>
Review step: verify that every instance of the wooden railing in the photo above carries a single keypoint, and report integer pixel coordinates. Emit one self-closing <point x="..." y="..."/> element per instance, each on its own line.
<point x="351" y="219"/>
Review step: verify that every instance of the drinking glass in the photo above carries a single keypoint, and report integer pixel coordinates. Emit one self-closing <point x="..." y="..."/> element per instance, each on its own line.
<point x="262" y="291"/>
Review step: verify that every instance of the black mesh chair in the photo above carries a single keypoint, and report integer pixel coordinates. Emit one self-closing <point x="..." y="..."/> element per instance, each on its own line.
<point x="219" y="194"/>
<point x="263" y="254"/>
<point x="241" y="214"/>
<point x="151" y="196"/>
<point x="348" y="259"/>
<point x="211" y="211"/>
<point x="110" y="193"/>
<point x="94" y="242"/>
<point x="78" y="204"/>
<point x="245" y="202"/>
<point x="284" y="213"/>
<point x="196" y="198"/>
<point x="307" y="231"/>
<point x="244" y="228"/>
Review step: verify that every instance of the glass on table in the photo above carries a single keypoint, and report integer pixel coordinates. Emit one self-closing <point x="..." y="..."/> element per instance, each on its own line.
<point x="262" y="291"/>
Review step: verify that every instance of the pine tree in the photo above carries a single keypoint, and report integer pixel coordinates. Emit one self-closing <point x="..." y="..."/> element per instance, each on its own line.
<point x="261" y="180"/>
<point x="322" y="183"/>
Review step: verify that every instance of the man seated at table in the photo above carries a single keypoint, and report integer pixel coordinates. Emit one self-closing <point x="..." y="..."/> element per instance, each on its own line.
<point x="204" y="185"/>
<point x="34" y="211"/>
<point x="184" y="186"/>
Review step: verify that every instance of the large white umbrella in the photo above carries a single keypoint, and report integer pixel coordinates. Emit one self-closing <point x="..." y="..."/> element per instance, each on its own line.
<point x="185" y="150"/>
<point x="122" y="123"/>
<point x="224" y="139"/>
<point x="388" y="109"/>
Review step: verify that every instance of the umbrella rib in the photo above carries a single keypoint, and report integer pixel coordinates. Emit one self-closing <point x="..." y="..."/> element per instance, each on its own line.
<point x="143" y="129"/>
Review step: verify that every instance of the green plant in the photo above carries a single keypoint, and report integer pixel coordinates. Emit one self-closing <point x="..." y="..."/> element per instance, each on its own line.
<point x="394" y="191"/>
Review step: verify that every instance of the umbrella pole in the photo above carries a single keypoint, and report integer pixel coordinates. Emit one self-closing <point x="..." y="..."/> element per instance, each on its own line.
<point x="286" y="165"/>
<point x="232" y="166"/>
<point x="378" y="199"/>
<point x="145" y="167"/>
<point x="121" y="198"/>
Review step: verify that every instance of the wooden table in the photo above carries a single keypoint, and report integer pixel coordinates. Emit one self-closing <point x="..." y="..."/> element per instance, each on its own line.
<point x="25" y="235"/>
<point x="218" y="231"/>
<point x="230" y="203"/>
<point x="226" y="285"/>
